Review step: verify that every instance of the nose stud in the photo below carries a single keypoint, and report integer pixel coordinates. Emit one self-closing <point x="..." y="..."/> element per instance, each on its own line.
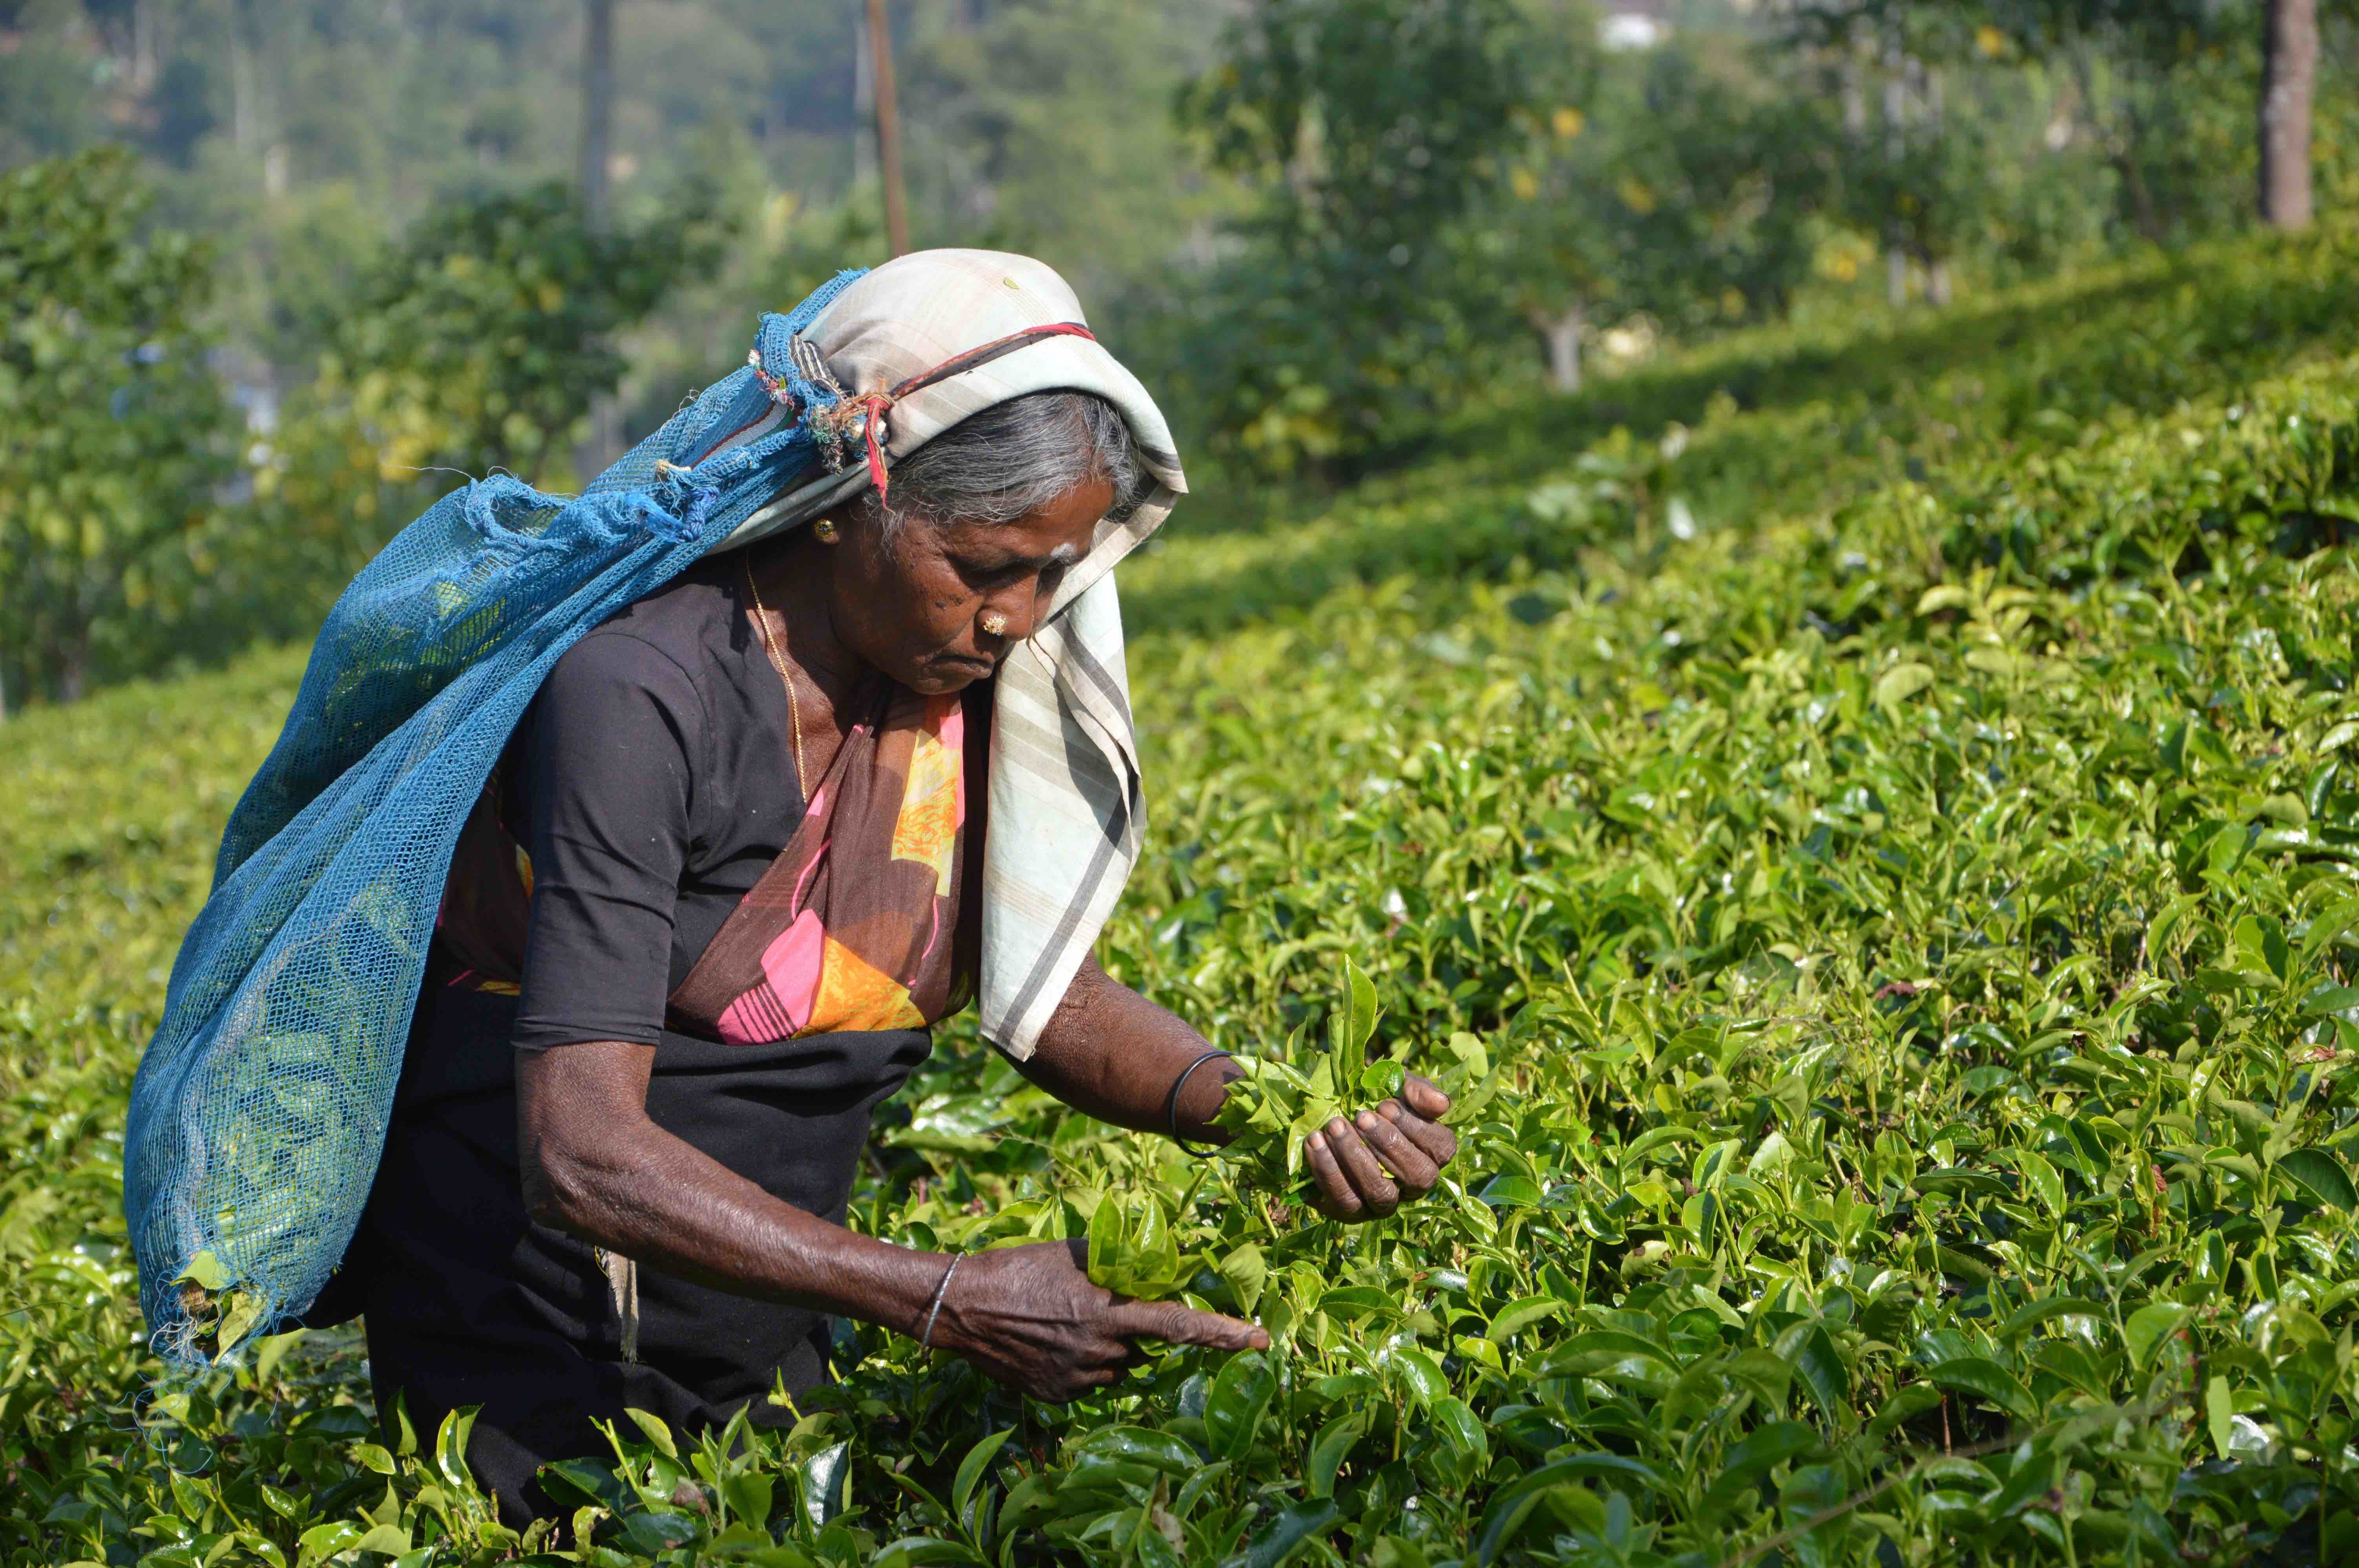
<point x="993" y="623"/>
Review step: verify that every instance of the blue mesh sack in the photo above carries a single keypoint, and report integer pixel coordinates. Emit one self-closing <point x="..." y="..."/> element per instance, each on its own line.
<point x="259" y="1111"/>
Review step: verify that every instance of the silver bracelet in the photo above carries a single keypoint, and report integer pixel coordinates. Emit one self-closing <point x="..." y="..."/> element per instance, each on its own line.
<point x="926" y="1340"/>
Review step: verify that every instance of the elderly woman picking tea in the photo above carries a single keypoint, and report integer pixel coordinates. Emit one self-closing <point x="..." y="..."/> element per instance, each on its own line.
<point x="729" y="872"/>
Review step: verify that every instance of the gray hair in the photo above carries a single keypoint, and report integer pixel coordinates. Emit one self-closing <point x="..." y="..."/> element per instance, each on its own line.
<point x="1013" y="459"/>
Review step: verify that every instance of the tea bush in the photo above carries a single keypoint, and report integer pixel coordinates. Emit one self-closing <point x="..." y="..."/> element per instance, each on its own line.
<point x="1874" y="863"/>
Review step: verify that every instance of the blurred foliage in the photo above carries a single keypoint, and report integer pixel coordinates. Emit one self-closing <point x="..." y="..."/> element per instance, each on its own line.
<point x="1042" y="118"/>
<point x="1366" y="218"/>
<point x="2168" y="88"/>
<point x="1368" y="127"/>
<point x="1723" y="175"/>
<point x="1313" y="102"/>
<point x="1891" y="940"/>
<point x="1671" y="190"/>
<point x="407" y="104"/>
<point x="481" y="340"/>
<point x="114" y="432"/>
<point x="2161" y="94"/>
<point x="286" y="130"/>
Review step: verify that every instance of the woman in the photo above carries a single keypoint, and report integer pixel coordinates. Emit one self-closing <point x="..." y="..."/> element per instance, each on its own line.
<point x="729" y="872"/>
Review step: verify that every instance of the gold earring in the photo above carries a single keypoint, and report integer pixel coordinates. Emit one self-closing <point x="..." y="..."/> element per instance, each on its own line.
<point x="826" y="531"/>
<point x="993" y="623"/>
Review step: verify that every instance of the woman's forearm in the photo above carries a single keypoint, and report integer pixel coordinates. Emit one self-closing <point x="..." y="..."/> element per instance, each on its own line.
<point x="595" y="1166"/>
<point x="1110" y="1053"/>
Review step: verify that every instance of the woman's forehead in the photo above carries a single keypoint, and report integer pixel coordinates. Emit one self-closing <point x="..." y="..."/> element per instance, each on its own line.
<point x="1058" y="534"/>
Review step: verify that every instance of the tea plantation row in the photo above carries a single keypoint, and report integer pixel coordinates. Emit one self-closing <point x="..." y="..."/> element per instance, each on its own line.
<point x="1872" y="859"/>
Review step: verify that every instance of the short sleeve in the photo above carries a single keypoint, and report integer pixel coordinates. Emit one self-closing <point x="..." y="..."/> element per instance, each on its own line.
<point x="604" y="777"/>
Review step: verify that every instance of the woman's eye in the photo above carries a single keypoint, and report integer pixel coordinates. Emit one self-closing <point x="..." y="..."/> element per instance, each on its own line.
<point x="989" y="574"/>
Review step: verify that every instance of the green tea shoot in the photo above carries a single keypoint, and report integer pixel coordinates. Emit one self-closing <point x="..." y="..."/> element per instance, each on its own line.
<point x="1279" y="1102"/>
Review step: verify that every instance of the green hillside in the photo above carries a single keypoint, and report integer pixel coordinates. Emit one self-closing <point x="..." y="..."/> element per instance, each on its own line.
<point x="1863" y="819"/>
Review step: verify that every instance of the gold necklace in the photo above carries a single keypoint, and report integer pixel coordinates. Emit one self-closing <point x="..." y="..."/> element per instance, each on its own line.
<point x="779" y="663"/>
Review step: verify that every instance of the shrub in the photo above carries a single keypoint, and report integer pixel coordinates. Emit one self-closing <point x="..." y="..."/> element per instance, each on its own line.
<point x="113" y="431"/>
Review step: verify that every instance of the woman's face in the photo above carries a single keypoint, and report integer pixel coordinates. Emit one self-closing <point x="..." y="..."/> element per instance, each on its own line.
<point x="915" y="607"/>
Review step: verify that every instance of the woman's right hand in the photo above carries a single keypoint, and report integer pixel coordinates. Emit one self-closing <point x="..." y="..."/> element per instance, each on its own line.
<point x="1030" y="1318"/>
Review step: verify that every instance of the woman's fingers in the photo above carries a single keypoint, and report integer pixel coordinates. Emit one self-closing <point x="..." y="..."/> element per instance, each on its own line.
<point x="1178" y="1324"/>
<point x="1375" y="1190"/>
<point x="1437" y="1142"/>
<point x="1030" y="1317"/>
<point x="1348" y="1161"/>
<point x="1415" y="1169"/>
<point x="1337" y="1200"/>
<point x="1419" y="1095"/>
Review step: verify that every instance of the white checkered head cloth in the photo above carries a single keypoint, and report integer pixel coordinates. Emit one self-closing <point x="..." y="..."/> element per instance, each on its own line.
<point x="1066" y="812"/>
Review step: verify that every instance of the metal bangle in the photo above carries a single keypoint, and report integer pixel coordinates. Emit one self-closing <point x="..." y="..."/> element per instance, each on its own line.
<point x="1171" y="1107"/>
<point x="926" y="1340"/>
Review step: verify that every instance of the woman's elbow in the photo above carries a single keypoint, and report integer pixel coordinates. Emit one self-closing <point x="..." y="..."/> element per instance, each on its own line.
<point x="573" y="1184"/>
<point x="579" y="1112"/>
<point x="560" y="1192"/>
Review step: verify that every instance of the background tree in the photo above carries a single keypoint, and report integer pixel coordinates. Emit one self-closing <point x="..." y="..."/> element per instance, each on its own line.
<point x="1563" y="243"/>
<point x="1677" y="194"/>
<point x="1923" y="175"/>
<point x="2147" y="74"/>
<point x="1350" y="238"/>
<point x="482" y="339"/>
<point x="1368" y="127"/>
<point x="993" y="114"/>
<point x="113" y="431"/>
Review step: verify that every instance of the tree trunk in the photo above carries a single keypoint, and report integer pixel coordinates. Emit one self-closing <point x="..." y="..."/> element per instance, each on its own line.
<point x="604" y="439"/>
<point x="254" y="120"/>
<point x="2120" y="142"/>
<point x="1896" y="148"/>
<point x="244" y="87"/>
<point x="863" y="102"/>
<point x="888" y="131"/>
<point x="73" y="665"/>
<point x="597" y="107"/>
<point x="2288" y="82"/>
<point x="1937" y="268"/>
<point x="1855" y="100"/>
<point x="143" y="46"/>
<point x="1561" y="333"/>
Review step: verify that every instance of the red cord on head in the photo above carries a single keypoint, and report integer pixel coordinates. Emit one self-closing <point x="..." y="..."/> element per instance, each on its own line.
<point x="877" y="407"/>
<point x="876" y="403"/>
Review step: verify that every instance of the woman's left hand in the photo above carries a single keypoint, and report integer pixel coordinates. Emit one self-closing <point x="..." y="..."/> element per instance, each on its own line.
<point x="1349" y="1159"/>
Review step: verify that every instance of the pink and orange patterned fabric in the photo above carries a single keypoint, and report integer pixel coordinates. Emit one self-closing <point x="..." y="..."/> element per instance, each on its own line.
<point x="855" y="926"/>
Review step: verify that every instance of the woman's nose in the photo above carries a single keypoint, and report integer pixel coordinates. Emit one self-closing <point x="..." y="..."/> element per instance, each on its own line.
<point x="1013" y="613"/>
<point x="1006" y="617"/>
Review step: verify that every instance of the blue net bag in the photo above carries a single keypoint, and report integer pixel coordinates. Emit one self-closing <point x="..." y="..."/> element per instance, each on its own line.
<point x="259" y="1111"/>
